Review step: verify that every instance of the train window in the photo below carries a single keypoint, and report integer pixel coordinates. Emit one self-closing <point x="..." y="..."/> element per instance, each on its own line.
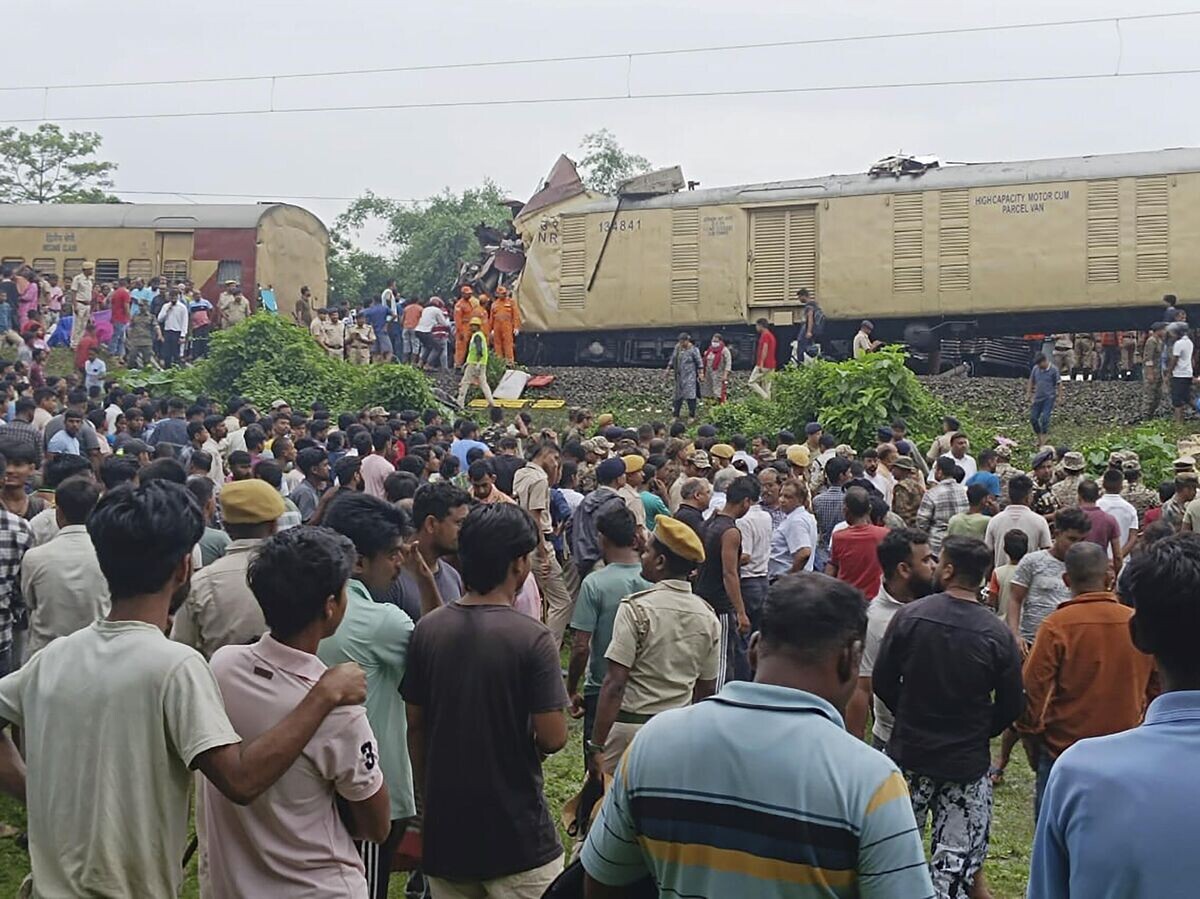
<point x="71" y="268"/>
<point x="45" y="266"/>
<point x="175" y="270"/>
<point x="13" y="262"/>
<point x="229" y="270"/>
<point x="139" y="268"/>
<point x="108" y="270"/>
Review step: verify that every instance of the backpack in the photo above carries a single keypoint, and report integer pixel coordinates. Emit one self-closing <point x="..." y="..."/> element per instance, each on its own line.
<point x="818" y="327"/>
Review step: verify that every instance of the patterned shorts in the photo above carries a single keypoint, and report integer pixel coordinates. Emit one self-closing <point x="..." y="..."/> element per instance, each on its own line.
<point x="962" y="818"/>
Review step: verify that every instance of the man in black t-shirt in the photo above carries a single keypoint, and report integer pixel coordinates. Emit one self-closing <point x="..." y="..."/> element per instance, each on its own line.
<point x="718" y="581"/>
<point x="481" y="675"/>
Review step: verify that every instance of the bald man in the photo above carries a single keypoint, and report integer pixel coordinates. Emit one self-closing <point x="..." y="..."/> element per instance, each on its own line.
<point x="1084" y="677"/>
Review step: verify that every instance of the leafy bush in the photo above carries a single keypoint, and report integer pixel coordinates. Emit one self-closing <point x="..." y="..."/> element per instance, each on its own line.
<point x="265" y="358"/>
<point x="1155" y="452"/>
<point x="851" y="399"/>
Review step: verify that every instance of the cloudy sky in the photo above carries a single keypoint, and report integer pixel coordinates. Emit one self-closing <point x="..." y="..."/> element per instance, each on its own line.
<point x="411" y="153"/>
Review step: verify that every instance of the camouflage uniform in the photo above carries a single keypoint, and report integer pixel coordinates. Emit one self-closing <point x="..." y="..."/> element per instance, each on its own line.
<point x="1043" y="501"/>
<point x="1141" y="498"/>
<point x="906" y="499"/>
<point x="1006" y="472"/>
<point x="1086" y="356"/>
<point x="1064" y="358"/>
<point x="1066" y="491"/>
<point x="586" y="475"/>
<point x="1173" y="512"/>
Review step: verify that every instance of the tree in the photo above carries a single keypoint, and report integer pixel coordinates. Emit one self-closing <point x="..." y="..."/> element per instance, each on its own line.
<point x="427" y="243"/>
<point x="48" y="166"/>
<point x="355" y="275"/>
<point x="606" y="163"/>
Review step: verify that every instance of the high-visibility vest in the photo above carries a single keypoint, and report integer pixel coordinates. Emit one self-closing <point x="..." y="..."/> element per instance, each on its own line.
<point x="477" y="349"/>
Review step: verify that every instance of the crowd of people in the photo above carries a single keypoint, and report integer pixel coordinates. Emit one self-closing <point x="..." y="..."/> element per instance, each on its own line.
<point x="311" y="622"/>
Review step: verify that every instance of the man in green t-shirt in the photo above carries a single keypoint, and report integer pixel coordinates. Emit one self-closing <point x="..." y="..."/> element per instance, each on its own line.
<point x="475" y="369"/>
<point x="974" y="521"/>
<point x="596" y="608"/>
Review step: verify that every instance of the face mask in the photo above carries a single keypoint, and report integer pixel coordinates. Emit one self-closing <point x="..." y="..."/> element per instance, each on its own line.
<point x="716" y="343"/>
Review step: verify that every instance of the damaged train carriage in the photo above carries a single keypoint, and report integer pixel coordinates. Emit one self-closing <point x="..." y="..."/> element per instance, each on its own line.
<point x="928" y="253"/>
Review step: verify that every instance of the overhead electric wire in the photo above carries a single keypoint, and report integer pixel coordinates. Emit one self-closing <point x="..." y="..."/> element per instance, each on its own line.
<point x="614" y="55"/>
<point x="605" y="98"/>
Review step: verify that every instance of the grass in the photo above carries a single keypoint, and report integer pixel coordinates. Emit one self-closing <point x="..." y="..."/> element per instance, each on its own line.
<point x="1007" y="865"/>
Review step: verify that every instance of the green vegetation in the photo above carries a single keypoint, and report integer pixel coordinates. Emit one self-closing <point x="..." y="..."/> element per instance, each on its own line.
<point x="266" y="358"/>
<point x="606" y="163"/>
<point x="850" y="399"/>
<point x="49" y="166"/>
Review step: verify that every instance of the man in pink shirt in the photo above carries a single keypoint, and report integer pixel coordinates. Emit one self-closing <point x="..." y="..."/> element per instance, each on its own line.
<point x="291" y="841"/>
<point x="375" y="467"/>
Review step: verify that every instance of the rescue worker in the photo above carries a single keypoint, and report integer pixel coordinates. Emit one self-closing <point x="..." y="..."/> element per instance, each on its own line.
<point x="1064" y="358"/>
<point x="506" y="324"/>
<point x="665" y="647"/>
<point x="907" y="491"/>
<point x="1066" y="491"/>
<point x="1110" y="348"/>
<point x="475" y="356"/>
<point x="1141" y="497"/>
<point x="465" y="308"/>
<point x="1152" y="369"/>
<point x="360" y="337"/>
<point x="1128" y="365"/>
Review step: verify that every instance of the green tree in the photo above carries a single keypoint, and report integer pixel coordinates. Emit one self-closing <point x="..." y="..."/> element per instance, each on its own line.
<point x="426" y="243"/>
<point x="606" y="163"/>
<point x="355" y="275"/>
<point x="49" y="166"/>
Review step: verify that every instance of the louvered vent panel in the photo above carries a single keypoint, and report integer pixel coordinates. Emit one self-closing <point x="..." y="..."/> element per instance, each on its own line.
<point x="908" y="242"/>
<point x="685" y="256"/>
<point x="573" y="231"/>
<point x="1103" y="232"/>
<point x="1152" y="231"/>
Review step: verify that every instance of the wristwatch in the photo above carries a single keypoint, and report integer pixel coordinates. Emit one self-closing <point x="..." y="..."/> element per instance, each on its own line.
<point x="592" y="748"/>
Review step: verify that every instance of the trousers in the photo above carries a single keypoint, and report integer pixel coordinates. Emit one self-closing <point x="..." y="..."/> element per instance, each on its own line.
<point x="760" y="381"/>
<point x="962" y="819"/>
<point x="1151" y="392"/>
<point x="502" y="340"/>
<point x="83" y="315"/>
<point x="559" y="605"/>
<point x="529" y="884"/>
<point x="474" y="373"/>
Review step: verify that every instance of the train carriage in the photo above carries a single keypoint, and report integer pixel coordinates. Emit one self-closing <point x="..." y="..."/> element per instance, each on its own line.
<point x="268" y="244"/>
<point x="980" y="250"/>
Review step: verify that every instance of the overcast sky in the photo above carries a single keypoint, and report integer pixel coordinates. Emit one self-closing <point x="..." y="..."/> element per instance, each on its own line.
<point x="718" y="140"/>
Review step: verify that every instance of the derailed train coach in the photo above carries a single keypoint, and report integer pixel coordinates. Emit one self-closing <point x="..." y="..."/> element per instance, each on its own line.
<point x="274" y="245"/>
<point x="935" y="255"/>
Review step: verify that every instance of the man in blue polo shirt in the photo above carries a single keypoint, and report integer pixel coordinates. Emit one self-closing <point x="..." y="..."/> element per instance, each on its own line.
<point x="686" y="809"/>
<point x="1118" y="817"/>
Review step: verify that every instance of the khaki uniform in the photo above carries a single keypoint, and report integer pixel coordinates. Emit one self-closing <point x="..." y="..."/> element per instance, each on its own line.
<point x="1066" y="491"/>
<point x="234" y="310"/>
<point x="668" y="638"/>
<point x="1128" y="350"/>
<point x="906" y="499"/>
<point x="335" y="339"/>
<point x="1086" y="357"/>
<point x="359" y="339"/>
<point x="1152" y="380"/>
<point x="633" y="502"/>
<point x="1064" y="357"/>
<point x="1141" y="497"/>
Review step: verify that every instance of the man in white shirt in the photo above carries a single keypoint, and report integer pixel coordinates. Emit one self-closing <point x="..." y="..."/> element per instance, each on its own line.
<point x="1119" y="508"/>
<point x="81" y="302"/>
<point x="863" y="343"/>
<point x="1181" y="368"/>
<point x="173" y="322"/>
<point x="908" y="565"/>
<point x="1017" y="516"/>
<point x="61" y="581"/>
<point x="958" y="452"/>
<point x="116" y="716"/>
<point x="794" y="542"/>
<point x="755" y="526"/>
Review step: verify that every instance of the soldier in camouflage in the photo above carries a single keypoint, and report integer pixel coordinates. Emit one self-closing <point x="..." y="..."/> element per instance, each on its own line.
<point x="1141" y="497"/>
<point x="1005" y="471"/>
<point x="1042" y="500"/>
<point x="909" y="488"/>
<point x="1066" y="491"/>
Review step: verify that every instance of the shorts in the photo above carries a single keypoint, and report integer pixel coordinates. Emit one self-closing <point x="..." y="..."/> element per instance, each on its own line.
<point x="383" y="345"/>
<point x="1181" y="392"/>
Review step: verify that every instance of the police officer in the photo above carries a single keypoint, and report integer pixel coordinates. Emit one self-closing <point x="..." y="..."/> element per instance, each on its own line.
<point x="1066" y="491"/>
<point x="665" y="646"/>
<point x="1152" y="371"/>
<point x="359" y="338"/>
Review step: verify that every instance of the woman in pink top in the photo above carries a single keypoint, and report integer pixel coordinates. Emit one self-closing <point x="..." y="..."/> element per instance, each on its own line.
<point x="27" y="287"/>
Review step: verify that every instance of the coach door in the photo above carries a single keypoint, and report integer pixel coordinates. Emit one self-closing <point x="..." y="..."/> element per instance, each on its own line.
<point x="174" y="255"/>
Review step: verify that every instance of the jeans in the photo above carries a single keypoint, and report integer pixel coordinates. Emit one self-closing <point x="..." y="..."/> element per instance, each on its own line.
<point x="754" y="594"/>
<point x="409" y="345"/>
<point x="116" y="346"/>
<point x="1045" y="763"/>
<point x="1039" y="415"/>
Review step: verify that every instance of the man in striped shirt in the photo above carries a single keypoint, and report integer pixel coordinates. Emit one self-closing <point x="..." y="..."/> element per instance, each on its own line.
<point x="687" y="810"/>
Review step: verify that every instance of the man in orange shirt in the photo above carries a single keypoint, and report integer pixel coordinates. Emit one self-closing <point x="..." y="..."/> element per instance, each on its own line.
<point x="1083" y="677"/>
<point x="464" y="310"/>
<point x="410" y="346"/>
<point x="506" y="324"/>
